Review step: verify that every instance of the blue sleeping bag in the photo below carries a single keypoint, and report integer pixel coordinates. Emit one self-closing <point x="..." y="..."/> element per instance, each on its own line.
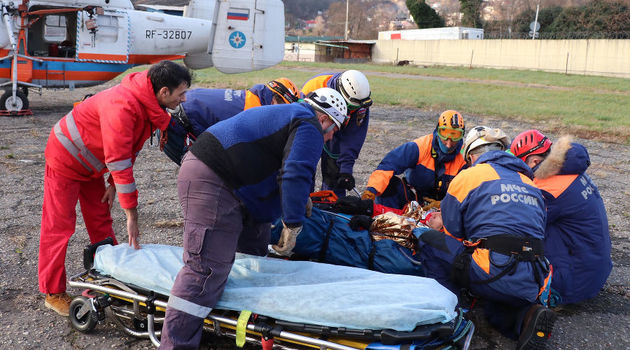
<point x="327" y="237"/>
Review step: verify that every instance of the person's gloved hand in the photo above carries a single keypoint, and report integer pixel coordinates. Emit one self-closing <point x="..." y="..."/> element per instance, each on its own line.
<point x="360" y="222"/>
<point x="345" y="181"/>
<point x="430" y="203"/>
<point x="286" y="243"/>
<point x="354" y="205"/>
<point x="367" y="194"/>
<point x="309" y="207"/>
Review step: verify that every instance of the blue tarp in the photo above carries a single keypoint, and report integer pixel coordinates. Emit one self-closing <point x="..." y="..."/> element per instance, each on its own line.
<point x="295" y="291"/>
<point x="327" y="237"/>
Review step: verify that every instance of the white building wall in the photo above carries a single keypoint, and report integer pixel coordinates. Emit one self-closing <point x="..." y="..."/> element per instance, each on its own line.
<point x="589" y="57"/>
<point x="302" y="52"/>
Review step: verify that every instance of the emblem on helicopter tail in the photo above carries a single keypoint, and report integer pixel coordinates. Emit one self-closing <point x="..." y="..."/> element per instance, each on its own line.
<point x="237" y="39"/>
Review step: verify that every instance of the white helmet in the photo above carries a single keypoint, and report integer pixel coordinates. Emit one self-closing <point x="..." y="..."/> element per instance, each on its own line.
<point x="329" y="101"/>
<point x="483" y="135"/>
<point x="355" y="88"/>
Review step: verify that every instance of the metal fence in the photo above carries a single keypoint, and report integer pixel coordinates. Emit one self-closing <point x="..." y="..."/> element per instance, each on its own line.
<point x="557" y="35"/>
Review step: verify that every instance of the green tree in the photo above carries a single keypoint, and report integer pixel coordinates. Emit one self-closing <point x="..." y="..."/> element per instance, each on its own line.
<point x="471" y="10"/>
<point x="594" y="20"/>
<point x="424" y="15"/>
<point x="546" y="16"/>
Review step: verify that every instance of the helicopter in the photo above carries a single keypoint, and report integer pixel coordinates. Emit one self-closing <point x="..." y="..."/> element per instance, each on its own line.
<point x="80" y="43"/>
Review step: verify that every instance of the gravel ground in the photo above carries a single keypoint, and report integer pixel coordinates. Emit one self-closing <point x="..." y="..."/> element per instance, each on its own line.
<point x="600" y="323"/>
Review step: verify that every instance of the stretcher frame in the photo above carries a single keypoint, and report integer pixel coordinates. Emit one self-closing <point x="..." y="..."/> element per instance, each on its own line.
<point x="140" y="312"/>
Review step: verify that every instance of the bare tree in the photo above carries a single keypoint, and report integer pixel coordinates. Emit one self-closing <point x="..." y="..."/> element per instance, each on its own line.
<point x="365" y="18"/>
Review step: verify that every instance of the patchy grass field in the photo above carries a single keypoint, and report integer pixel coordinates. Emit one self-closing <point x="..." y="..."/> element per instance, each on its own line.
<point x="590" y="106"/>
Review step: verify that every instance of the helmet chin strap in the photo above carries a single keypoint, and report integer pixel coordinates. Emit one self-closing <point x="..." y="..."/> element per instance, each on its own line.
<point x="330" y="128"/>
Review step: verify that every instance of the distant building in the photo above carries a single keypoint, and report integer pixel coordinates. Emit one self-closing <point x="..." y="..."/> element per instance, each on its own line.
<point x="302" y="48"/>
<point x="310" y="24"/>
<point x="445" y="33"/>
<point x="344" y="51"/>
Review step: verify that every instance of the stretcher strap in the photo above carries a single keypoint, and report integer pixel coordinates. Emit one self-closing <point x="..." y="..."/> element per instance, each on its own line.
<point x="241" y="327"/>
<point x="324" y="249"/>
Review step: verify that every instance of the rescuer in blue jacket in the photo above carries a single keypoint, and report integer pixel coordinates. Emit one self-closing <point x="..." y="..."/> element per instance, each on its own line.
<point x="342" y="151"/>
<point x="429" y="163"/>
<point x="492" y="245"/>
<point x="206" y="107"/>
<point x="239" y="176"/>
<point x="577" y="241"/>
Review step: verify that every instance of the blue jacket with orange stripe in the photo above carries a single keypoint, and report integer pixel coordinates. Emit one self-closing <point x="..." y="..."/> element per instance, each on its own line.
<point x="268" y="156"/>
<point x="497" y="196"/>
<point x="206" y="107"/>
<point x="346" y="144"/>
<point x="577" y="238"/>
<point x="426" y="167"/>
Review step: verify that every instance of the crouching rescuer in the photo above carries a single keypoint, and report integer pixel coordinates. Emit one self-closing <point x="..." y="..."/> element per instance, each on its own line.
<point x="238" y="177"/>
<point x="492" y="245"/>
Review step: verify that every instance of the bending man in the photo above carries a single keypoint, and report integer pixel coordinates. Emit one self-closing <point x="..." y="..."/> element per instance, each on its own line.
<point x="101" y="134"/>
<point x="238" y="177"/>
<point x="206" y="107"/>
<point x="342" y="151"/>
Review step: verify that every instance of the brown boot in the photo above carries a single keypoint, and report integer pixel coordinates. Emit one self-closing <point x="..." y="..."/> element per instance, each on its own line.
<point x="60" y="303"/>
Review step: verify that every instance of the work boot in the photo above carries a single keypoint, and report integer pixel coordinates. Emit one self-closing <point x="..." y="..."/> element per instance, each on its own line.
<point x="60" y="303"/>
<point x="536" y="329"/>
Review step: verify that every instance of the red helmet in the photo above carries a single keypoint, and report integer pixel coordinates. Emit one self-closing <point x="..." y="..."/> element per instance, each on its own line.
<point x="528" y="143"/>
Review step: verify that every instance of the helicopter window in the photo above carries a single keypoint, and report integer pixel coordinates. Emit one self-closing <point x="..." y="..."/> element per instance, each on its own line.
<point x="55" y="28"/>
<point x="107" y="28"/>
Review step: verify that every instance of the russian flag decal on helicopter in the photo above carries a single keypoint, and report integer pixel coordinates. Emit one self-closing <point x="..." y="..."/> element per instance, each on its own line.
<point x="238" y="14"/>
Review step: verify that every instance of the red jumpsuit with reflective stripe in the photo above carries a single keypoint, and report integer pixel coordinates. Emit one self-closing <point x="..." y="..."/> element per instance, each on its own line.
<point x="103" y="133"/>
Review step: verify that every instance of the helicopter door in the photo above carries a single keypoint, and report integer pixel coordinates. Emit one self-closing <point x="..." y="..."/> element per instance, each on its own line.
<point x="103" y="37"/>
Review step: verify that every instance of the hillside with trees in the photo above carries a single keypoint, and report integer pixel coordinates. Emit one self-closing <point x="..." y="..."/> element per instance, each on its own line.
<point x="559" y="19"/>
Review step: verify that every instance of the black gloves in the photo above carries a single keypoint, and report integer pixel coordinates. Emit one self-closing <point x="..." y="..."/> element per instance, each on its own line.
<point x="345" y="181"/>
<point x="360" y="222"/>
<point x="354" y="205"/>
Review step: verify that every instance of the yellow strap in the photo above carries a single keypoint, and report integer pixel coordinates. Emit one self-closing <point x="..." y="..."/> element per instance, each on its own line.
<point x="241" y="327"/>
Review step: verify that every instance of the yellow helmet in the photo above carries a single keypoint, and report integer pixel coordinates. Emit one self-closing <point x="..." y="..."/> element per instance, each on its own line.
<point x="451" y="125"/>
<point x="285" y="89"/>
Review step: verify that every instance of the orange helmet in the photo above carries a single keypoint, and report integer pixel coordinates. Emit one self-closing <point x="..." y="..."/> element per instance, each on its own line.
<point x="528" y="143"/>
<point x="285" y="89"/>
<point x="451" y="125"/>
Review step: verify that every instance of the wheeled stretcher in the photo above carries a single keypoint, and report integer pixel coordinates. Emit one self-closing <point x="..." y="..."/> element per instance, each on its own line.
<point x="273" y="302"/>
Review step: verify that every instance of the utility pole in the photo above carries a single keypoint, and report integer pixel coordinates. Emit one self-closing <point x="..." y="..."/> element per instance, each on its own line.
<point x="536" y="25"/>
<point x="345" y="32"/>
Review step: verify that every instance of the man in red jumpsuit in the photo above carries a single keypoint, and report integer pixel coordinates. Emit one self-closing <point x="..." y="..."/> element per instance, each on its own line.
<point x="102" y="134"/>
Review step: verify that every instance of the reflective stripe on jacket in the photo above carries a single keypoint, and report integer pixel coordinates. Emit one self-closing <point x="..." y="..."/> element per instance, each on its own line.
<point x="105" y="133"/>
